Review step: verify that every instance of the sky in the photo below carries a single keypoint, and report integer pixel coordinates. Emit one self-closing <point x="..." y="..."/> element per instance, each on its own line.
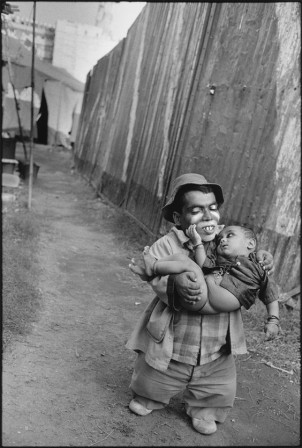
<point x="123" y="14"/>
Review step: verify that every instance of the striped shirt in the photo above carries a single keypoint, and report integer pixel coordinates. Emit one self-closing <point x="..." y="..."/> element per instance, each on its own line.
<point x="198" y="339"/>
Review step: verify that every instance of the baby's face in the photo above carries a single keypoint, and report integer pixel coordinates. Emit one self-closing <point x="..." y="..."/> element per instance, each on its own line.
<point x="232" y="242"/>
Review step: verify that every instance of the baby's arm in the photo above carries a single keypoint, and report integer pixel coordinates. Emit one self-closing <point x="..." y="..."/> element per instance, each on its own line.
<point x="200" y="253"/>
<point x="271" y="327"/>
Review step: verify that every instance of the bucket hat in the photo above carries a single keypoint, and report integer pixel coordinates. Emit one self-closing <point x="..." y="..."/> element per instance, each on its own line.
<point x="185" y="179"/>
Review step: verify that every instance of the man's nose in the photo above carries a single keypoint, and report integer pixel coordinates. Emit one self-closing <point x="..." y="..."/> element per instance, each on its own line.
<point x="207" y="214"/>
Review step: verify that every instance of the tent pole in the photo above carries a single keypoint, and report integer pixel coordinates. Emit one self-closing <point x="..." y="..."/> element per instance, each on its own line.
<point x="15" y="95"/>
<point x="31" y="156"/>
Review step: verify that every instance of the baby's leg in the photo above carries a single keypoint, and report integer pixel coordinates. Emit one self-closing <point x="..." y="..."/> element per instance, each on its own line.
<point x="147" y="270"/>
<point x="196" y="305"/>
<point x="173" y="264"/>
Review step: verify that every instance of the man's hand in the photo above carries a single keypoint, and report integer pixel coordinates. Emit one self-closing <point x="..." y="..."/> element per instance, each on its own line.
<point x="266" y="260"/>
<point x="187" y="286"/>
<point x="271" y="330"/>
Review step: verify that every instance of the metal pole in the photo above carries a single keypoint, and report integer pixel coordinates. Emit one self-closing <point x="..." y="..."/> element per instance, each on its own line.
<point x="31" y="155"/>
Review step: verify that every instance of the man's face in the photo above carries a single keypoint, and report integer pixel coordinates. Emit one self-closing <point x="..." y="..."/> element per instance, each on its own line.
<point x="232" y="242"/>
<point x="201" y="209"/>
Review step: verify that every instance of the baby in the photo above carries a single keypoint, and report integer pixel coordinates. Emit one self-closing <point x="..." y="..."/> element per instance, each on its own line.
<point x="230" y="279"/>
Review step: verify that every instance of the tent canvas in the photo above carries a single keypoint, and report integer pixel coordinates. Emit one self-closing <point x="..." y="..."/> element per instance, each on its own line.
<point x="63" y="94"/>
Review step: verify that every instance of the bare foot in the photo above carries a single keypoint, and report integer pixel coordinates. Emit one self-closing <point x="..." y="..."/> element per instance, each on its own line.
<point x="149" y="261"/>
<point x="138" y="270"/>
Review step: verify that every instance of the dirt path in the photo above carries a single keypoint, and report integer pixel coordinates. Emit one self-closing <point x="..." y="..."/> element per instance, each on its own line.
<point x="67" y="383"/>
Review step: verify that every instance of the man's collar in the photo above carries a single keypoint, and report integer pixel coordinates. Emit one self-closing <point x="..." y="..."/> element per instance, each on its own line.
<point x="182" y="237"/>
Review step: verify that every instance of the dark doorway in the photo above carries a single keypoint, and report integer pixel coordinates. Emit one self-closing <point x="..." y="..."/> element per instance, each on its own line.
<point x="42" y="121"/>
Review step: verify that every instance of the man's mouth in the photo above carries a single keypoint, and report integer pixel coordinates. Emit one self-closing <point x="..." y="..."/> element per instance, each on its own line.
<point x="208" y="229"/>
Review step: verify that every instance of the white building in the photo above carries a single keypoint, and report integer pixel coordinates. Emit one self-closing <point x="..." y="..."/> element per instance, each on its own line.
<point x="74" y="46"/>
<point x="22" y="29"/>
<point x="78" y="47"/>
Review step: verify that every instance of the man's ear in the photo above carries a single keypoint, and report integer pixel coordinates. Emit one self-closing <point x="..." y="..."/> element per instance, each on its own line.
<point x="220" y="228"/>
<point x="251" y="245"/>
<point x="176" y="217"/>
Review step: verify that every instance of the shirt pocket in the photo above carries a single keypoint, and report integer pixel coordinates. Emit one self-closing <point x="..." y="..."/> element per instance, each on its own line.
<point x="159" y="321"/>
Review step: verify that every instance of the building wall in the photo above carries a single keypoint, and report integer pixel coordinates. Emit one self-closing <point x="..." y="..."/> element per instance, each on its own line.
<point x="22" y="30"/>
<point x="78" y="47"/>
<point x="73" y="46"/>
<point x="212" y="88"/>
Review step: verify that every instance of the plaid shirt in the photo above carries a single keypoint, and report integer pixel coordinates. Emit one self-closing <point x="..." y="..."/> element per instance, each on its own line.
<point x="198" y="339"/>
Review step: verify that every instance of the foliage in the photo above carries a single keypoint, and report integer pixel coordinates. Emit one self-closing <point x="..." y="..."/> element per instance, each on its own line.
<point x="284" y="350"/>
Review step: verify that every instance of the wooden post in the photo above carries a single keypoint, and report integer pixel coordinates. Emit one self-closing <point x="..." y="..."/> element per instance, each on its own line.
<point x="31" y="155"/>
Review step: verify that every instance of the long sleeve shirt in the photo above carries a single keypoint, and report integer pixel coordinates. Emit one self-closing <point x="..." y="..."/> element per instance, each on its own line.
<point x="165" y="332"/>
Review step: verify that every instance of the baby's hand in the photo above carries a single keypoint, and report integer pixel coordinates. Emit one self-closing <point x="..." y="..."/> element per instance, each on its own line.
<point x="193" y="235"/>
<point x="271" y="330"/>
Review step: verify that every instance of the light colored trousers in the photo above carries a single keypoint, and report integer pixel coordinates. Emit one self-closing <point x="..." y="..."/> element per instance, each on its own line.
<point x="209" y="390"/>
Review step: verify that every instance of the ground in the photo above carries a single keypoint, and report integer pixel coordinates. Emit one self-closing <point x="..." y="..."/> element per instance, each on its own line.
<point x="67" y="382"/>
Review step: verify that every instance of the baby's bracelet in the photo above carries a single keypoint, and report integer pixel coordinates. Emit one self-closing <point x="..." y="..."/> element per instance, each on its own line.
<point x="197" y="245"/>
<point x="273" y="320"/>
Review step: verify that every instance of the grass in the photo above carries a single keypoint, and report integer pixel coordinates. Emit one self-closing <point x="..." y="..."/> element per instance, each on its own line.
<point x="284" y="350"/>
<point x="20" y="295"/>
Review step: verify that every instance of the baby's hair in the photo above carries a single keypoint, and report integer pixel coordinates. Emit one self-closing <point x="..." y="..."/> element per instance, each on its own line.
<point x="179" y="197"/>
<point x="249" y="233"/>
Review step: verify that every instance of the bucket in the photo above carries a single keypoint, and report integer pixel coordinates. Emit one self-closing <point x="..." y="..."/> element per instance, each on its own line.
<point x="24" y="171"/>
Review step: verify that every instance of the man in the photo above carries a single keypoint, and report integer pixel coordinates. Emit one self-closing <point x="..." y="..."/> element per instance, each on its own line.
<point x="179" y="350"/>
